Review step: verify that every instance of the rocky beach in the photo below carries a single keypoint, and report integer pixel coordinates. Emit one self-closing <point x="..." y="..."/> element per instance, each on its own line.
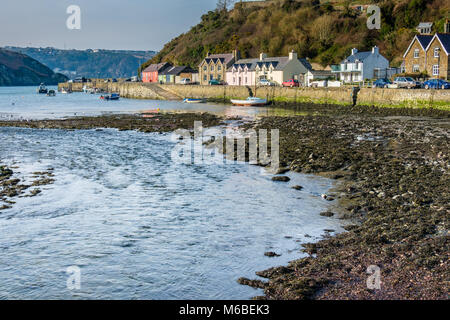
<point x="391" y="168"/>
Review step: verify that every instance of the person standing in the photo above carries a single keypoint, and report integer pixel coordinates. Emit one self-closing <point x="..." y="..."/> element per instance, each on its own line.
<point x="355" y="91"/>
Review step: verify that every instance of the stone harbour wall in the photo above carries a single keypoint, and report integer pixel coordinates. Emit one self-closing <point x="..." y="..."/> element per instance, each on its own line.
<point x="369" y="96"/>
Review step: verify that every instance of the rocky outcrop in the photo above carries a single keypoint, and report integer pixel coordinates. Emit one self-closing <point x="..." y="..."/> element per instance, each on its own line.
<point x="17" y="69"/>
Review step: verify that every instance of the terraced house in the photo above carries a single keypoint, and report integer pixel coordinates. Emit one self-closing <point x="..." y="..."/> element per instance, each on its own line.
<point x="437" y="56"/>
<point x="415" y="56"/>
<point x="429" y="54"/>
<point x="248" y="72"/>
<point x="214" y="66"/>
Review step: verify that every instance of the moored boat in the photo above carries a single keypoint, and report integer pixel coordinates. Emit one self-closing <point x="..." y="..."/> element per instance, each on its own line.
<point x="51" y="93"/>
<point x="250" y="102"/>
<point x="42" y="89"/>
<point x="112" y="96"/>
<point x="189" y="100"/>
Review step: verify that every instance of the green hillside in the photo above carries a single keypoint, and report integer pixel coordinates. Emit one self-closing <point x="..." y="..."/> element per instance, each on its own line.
<point x="17" y="69"/>
<point x="89" y="63"/>
<point x="322" y="31"/>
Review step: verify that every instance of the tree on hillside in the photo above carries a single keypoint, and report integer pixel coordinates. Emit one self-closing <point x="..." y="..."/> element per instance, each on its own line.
<point x="224" y="5"/>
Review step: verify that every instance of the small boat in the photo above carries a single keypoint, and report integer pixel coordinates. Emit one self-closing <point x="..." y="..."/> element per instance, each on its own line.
<point x="113" y="96"/>
<point x="189" y="100"/>
<point x="250" y="102"/>
<point x="51" y="93"/>
<point x="42" y="89"/>
<point x="63" y="90"/>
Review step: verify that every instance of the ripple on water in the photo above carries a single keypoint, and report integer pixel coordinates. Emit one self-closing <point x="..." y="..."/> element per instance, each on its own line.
<point x="141" y="226"/>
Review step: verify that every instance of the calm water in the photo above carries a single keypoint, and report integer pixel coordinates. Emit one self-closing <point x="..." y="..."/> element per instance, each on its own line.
<point x="23" y="102"/>
<point x="137" y="224"/>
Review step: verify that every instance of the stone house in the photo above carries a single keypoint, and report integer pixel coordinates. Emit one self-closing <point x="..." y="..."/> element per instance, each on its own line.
<point x="437" y="56"/>
<point x="360" y="66"/>
<point x="249" y="72"/>
<point x="429" y="54"/>
<point x="415" y="56"/>
<point x="214" y="66"/>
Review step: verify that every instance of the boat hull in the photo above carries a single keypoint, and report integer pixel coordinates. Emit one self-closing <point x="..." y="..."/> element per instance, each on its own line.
<point x="194" y="101"/>
<point x="249" y="103"/>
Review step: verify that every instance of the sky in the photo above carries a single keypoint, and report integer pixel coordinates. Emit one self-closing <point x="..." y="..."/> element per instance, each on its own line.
<point x="105" y="24"/>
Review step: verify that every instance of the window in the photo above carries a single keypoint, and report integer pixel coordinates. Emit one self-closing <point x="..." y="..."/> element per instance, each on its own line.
<point x="219" y="68"/>
<point x="416" y="68"/>
<point x="205" y="77"/>
<point x="204" y="68"/>
<point x="212" y="68"/>
<point x="246" y="80"/>
<point x="435" y="70"/>
<point x="436" y="52"/>
<point x="416" y="53"/>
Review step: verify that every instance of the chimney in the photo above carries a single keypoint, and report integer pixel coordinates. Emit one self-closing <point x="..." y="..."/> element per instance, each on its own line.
<point x="354" y="51"/>
<point x="292" y="55"/>
<point x="375" y="50"/>
<point x="262" y="56"/>
<point x="207" y="54"/>
<point x="447" y="26"/>
<point x="236" y="55"/>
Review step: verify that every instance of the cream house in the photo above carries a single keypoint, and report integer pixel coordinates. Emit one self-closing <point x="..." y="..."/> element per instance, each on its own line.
<point x="248" y="72"/>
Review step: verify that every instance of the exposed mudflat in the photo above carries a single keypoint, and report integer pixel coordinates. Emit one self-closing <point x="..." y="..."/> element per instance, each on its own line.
<point x="393" y="168"/>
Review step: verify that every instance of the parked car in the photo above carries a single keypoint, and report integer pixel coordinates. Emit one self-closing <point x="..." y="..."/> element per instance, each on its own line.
<point x="215" y="82"/>
<point x="406" y="82"/>
<point x="265" y="82"/>
<point x="436" y="84"/>
<point x="185" y="81"/>
<point x="291" y="83"/>
<point x="382" y="83"/>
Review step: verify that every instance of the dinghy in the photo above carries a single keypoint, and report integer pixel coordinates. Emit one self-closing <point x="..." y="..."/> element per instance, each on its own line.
<point x="250" y="102"/>
<point x="188" y="100"/>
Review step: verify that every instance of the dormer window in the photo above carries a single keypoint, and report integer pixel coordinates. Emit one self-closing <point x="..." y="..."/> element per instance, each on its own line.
<point x="219" y="68"/>
<point x="212" y="68"/>
<point x="204" y="68"/>
<point x="436" y="52"/>
<point x="416" y="53"/>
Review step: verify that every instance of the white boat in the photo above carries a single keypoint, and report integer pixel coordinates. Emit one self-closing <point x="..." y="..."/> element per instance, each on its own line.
<point x="250" y="102"/>
<point x="189" y="100"/>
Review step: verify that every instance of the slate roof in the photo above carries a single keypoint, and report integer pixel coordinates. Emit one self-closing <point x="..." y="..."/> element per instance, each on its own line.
<point x="174" y="70"/>
<point x="361" y="56"/>
<point x="425" y="25"/>
<point x="157" y="67"/>
<point x="424" y="39"/>
<point x="444" y="38"/>
<point x="306" y="63"/>
<point x="278" y="63"/>
<point x="225" y="58"/>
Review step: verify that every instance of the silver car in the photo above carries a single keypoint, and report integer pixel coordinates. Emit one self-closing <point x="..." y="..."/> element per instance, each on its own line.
<point x="406" y="82"/>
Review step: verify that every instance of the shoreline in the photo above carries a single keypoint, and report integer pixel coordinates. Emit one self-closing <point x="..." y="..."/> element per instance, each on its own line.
<point x="402" y="212"/>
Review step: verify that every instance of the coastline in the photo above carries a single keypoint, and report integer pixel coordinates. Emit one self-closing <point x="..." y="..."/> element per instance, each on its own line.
<point x="393" y="181"/>
<point x="401" y="223"/>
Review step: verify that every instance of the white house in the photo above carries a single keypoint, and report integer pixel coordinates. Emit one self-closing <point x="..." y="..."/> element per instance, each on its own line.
<point x="248" y="72"/>
<point x="360" y="66"/>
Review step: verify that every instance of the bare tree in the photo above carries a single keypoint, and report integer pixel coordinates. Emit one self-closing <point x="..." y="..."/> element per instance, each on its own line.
<point x="224" y="5"/>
